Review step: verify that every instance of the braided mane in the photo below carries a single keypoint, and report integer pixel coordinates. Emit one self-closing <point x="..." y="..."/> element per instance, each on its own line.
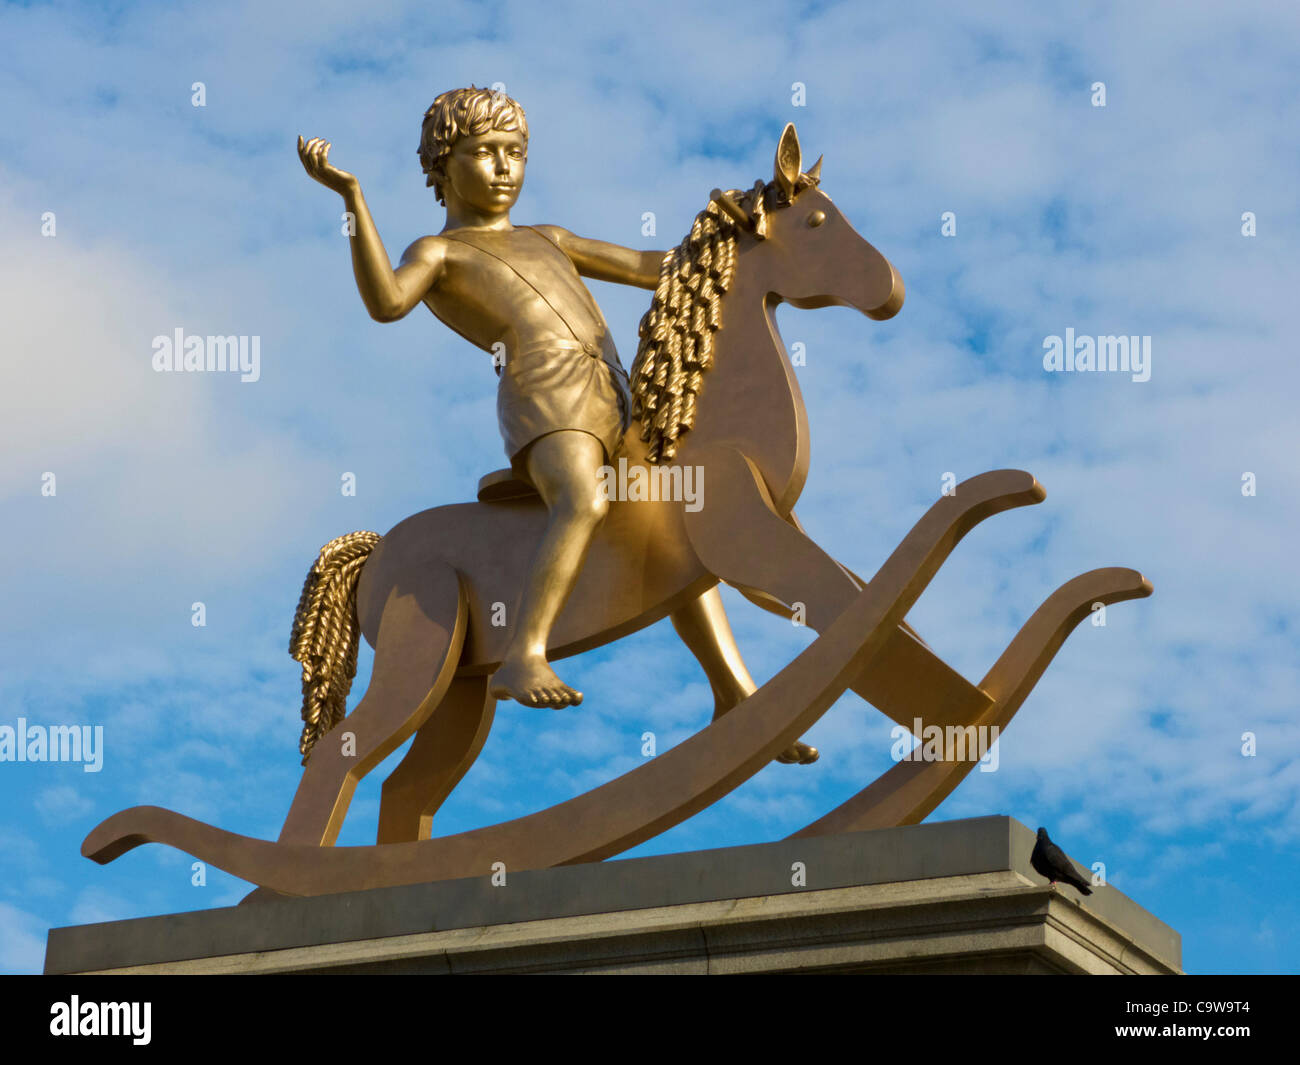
<point x="676" y="333"/>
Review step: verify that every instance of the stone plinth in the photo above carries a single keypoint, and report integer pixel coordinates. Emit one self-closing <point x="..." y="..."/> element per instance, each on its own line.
<point x="948" y="897"/>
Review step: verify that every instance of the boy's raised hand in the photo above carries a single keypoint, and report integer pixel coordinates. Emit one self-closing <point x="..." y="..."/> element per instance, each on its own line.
<point x="315" y="160"/>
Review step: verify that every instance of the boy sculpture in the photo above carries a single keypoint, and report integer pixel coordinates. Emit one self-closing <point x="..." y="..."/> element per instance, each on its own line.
<point x="562" y="403"/>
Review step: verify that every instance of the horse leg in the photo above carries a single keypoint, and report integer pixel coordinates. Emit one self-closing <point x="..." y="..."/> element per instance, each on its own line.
<point x="776" y="566"/>
<point x="421" y="632"/>
<point x="444" y="749"/>
<point x="702" y="625"/>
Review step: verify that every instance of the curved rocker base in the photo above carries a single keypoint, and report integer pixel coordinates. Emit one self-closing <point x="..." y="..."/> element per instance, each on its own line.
<point x="600" y="823"/>
<point x="684" y="780"/>
<point x="909" y="792"/>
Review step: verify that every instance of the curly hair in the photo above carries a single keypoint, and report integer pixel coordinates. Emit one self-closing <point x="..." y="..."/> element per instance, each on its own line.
<point x="464" y="113"/>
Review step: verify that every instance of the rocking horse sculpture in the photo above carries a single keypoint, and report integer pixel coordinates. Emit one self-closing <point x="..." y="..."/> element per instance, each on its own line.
<point x="714" y="390"/>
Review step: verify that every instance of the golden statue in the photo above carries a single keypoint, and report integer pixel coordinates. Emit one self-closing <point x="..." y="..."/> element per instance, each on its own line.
<point x="712" y="389"/>
<point x="563" y="402"/>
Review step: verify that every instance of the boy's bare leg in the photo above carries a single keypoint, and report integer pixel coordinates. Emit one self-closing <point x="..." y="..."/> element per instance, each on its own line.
<point x="565" y="468"/>
<point x="702" y="624"/>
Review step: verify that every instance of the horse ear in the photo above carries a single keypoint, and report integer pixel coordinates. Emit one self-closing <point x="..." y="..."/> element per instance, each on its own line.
<point x="811" y="178"/>
<point x="788" y="157"/>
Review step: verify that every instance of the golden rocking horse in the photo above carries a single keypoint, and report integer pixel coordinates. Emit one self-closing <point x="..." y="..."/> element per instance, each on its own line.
<point x="720" y="396"/>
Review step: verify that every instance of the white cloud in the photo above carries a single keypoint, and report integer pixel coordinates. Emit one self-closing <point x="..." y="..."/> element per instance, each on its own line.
<point x="61" y="804"/>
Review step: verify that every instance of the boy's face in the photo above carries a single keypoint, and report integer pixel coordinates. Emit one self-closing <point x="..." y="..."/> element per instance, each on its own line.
<point x="487" y="172"/>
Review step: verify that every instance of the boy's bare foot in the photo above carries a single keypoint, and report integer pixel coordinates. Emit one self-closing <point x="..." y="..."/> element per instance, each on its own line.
<point x="797" y="753"/>
<point x="531" y="681"/>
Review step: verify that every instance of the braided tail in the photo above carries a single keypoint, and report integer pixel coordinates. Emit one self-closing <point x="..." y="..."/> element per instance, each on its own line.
<point x="326" y="634"/>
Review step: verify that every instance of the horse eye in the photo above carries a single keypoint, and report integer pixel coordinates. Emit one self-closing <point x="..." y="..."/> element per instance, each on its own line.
<point x="816" y="218"/>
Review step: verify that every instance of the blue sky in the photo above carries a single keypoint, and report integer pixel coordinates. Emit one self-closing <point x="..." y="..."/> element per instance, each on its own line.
<point x="176" y="488"/>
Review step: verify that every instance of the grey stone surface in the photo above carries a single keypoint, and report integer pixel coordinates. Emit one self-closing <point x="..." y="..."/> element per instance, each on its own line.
<point x="946" y="896"/>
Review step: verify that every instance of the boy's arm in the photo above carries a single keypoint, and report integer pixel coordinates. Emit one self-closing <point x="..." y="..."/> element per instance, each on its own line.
<point x="387" y="293"/>
<point x="608" y="262"/>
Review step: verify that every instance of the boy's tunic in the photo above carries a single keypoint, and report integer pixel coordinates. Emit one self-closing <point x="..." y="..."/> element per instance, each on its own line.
<point x="561" y="382"/>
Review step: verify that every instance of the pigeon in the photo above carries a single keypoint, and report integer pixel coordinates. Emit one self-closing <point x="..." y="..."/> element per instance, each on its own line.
<point x="1050" y="861"/>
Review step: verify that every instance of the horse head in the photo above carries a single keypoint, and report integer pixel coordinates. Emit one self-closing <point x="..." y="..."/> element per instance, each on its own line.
<point x="782" y="240"/>
<point x="805" y="247"/>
